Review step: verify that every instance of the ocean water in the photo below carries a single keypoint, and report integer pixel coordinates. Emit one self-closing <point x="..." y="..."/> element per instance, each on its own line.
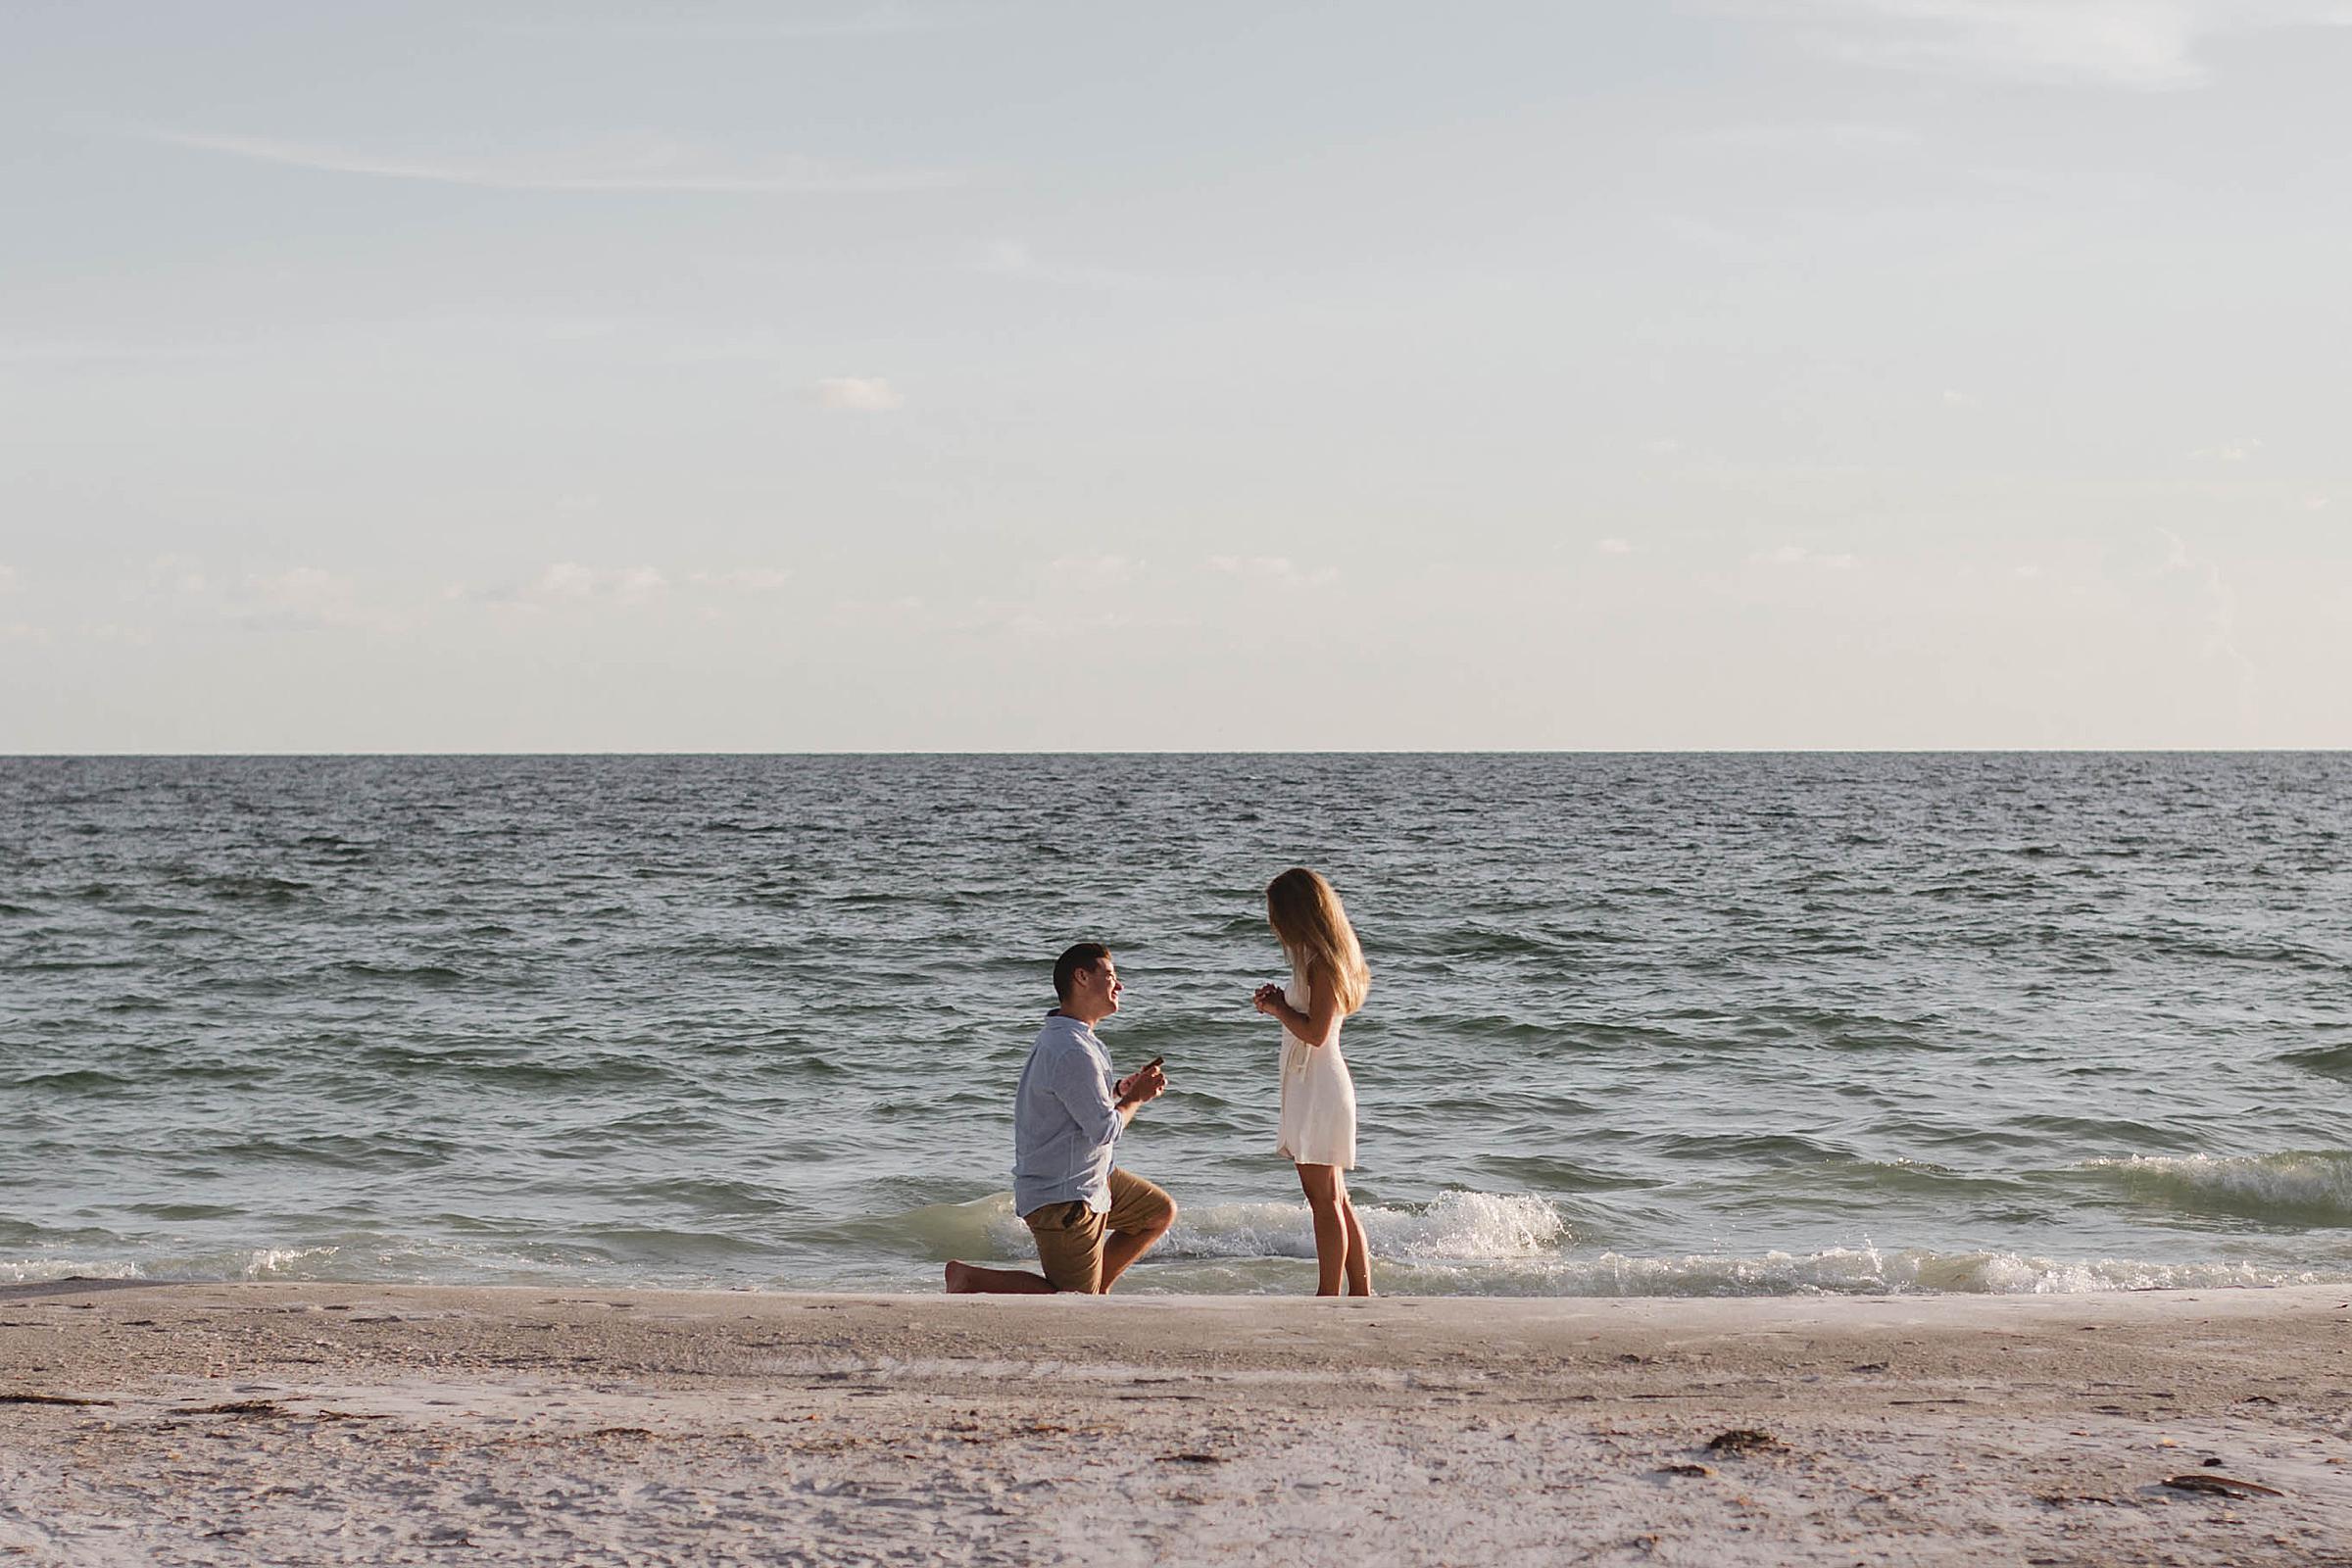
<point x="1640" y="1024"/>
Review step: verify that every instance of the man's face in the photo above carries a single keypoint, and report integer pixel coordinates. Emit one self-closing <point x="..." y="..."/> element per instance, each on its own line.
<point x="1097" y="990"/>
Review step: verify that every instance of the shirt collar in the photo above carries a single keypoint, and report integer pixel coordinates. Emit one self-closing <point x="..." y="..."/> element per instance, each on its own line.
<point x="1058" y="1019"/>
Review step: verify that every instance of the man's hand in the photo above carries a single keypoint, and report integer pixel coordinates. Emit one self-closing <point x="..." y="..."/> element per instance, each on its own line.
<point x="1146" y="1084"/>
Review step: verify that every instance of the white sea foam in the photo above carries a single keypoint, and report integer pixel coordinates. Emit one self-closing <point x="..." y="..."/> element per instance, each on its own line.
<point x="1460" y="1226"/>
<point x="283" y="1262"/>
<point x="1839" y="1271"/>
<point x="1468" y="1227"/>
<point x="1490" y="1243"/>
<point x="41" y="1270"/>
<point x="2303" y="1186"/>
<point x="1872" y="1271"/>
<point x="261" y="1264"/>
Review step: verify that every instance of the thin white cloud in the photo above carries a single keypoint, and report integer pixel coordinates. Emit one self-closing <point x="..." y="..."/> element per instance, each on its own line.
<point x="878" y="22"/>
<point x="1711" y="235"/>
<point x="2150" y="45"/>
<point x="112" y="634"/>
<point x="75" y="355"/>
<point x="2237" y="451"/>
<point x="869" y="612"/>
<point x="23" y="632"/>
<point x="568" y="581"/>
<point x="858" y="394"/>
<point x="1270" y="568"/>
<point x="1014" y="259"/>
<point x="2080" y="188"/>
<point x="8" y="578"/>
<point x="305" y="593"/>
<point x="2214" y="610"/>
<point x="1799" y="556"/>
<point x="566" y="585"/>
<point x="1614" y="547"/>
<point x="1827" y="136"/>
<point x="742" y="579"/>
<point x="1093" y="572"/>
<point x="1959" y="400"/>
<point x="308" y="596"/>
<point x="639" y="164"/>
<point x="175" y="575"/>
<point x="1056" y="623"/>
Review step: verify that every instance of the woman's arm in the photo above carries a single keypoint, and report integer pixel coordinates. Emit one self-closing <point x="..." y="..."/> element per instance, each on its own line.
<point x="1314" y="1026"/>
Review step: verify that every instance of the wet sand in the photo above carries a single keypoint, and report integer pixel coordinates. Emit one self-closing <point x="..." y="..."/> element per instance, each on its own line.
<point x="355" y="1424"/>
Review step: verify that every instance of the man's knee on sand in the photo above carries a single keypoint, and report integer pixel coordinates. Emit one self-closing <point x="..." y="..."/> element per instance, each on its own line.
<point x="1071" y="1236"/>
<point x="1069" y="1240"/>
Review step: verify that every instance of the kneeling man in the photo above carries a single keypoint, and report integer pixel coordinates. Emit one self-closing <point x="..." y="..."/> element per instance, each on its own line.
<point x="1091" y="1221"/>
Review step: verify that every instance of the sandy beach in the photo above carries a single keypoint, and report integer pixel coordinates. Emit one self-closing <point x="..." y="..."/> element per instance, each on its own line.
<point x="352" y="1424"/>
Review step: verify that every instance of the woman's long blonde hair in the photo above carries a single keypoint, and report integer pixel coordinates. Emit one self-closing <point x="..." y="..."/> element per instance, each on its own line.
<point x="1305" y="913"/>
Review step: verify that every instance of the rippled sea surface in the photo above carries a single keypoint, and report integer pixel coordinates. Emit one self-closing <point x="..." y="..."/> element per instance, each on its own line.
<point x="1656" y="1024"/>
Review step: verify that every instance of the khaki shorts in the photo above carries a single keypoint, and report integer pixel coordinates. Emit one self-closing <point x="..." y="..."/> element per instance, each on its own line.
<point x="1069" y="1236"/>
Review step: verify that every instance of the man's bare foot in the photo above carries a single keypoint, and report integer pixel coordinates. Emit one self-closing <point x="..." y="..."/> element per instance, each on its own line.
<point x="970" y="1279"/>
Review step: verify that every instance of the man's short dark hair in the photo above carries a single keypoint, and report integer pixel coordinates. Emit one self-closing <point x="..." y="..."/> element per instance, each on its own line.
<point x="1084" y="955"/>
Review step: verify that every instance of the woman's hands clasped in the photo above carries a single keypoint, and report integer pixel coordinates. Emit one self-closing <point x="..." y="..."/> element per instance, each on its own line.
<point x="1267" y="998"/>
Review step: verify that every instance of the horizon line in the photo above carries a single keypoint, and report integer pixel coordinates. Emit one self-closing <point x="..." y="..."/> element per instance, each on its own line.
<point x="1310" y="751"/>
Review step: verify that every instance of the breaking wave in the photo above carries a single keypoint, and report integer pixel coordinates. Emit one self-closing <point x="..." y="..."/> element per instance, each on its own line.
<point x="2295" y="1186"/>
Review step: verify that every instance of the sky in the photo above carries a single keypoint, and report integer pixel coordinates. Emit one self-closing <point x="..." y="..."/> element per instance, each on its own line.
<point x="510" y="377"/>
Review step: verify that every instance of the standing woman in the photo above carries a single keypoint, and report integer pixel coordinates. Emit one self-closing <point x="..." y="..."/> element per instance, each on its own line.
<point x="1328" y="982"/>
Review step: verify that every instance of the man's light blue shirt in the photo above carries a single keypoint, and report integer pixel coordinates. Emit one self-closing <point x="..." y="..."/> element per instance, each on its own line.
<point x="1066" y="1119"/>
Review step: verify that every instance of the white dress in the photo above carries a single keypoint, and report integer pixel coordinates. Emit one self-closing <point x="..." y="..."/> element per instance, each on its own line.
<point x="1318" y="1098"/>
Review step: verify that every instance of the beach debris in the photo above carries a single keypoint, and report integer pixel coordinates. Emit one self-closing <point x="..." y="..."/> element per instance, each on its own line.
<point x="238" y="1407"/>
<point x="1743" y="1439"/>
<point x="2227" y="1486"/>
<point x="48" y="1399"/>
<point x="1192" y="1458"/>
<point x="1686" y="1469"/>
<point x="1869" y="1366"/>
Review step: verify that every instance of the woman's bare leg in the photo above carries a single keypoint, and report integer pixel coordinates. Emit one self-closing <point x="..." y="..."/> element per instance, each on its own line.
<point x="1360" y="1256"/>
<point x="1324" y="1196"/>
